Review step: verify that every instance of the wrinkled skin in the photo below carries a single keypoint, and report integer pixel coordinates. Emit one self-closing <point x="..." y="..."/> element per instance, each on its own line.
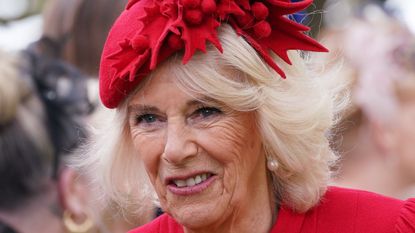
<point x="178" y="135"/>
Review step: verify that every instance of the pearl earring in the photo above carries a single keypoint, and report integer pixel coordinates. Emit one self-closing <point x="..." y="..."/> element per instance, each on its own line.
<point x="272" y="164"/>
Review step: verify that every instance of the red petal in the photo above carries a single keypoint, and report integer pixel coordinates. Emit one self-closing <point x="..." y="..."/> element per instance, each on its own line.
<point x="228" y="7"/>
<point x="287" y="8"/>
<point x="126" y="61"/>
<point x="244" y="4"/>
<point x="263" y="52"/>
<point x="196" y="37"/>
<point x="131" y="3"/>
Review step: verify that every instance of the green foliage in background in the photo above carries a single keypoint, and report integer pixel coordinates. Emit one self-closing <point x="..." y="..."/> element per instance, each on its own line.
<point x="34" y="7"/>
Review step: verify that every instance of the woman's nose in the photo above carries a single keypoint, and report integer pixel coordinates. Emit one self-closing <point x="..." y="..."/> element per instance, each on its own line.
<point x="180" y="144"/>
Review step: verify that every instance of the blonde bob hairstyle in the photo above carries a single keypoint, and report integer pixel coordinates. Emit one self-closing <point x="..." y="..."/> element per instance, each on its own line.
<point x="294" y="116"/>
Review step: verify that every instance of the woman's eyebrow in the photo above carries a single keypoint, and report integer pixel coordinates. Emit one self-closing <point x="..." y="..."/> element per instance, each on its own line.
<point x="201" y="100"/>
<point x="151" y="108"/>
<point x="142" y="108"/>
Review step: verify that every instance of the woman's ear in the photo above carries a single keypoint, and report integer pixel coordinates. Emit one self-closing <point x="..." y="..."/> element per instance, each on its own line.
<point x="73" y="194"/>
<point x="383" y="135"/>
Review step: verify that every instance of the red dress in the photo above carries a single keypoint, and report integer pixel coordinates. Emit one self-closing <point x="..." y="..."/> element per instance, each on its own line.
<point x="340" y="211"/>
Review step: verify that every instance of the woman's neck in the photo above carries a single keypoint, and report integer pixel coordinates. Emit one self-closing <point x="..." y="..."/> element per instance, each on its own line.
<point x="244" y="220"/>
<point x="370" y="175"/>
<point x="35" y="216"/>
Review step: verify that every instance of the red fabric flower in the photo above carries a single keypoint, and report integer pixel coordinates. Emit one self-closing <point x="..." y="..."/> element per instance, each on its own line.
<point x="150" y="31"/>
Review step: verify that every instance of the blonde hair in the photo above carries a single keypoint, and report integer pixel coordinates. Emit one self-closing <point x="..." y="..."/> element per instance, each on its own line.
<point x="294" y="116"/>
<point x="18" y="103"/>
<point x="25" y="148"/>
<point x="11" y="94"/>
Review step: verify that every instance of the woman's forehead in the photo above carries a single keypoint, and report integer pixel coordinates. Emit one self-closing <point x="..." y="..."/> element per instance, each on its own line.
<point x="162" y="87"/>
<point x="157" y="84"/>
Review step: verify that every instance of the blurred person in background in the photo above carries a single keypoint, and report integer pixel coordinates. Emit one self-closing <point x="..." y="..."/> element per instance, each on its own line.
<point x="64" y="196"/>
<point x="42" y="106"/>
<point x="377" y="134"/>
<point x="77" y="30"/>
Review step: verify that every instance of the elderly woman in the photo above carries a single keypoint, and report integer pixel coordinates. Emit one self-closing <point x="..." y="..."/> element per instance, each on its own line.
<point x="228" y="145"/>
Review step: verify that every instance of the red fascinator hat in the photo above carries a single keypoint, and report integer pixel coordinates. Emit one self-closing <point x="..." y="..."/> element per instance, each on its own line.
<point x="149" y="31"/>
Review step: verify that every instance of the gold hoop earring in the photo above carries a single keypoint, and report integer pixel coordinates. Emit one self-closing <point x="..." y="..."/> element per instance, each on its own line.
<point x="74" y="227"/>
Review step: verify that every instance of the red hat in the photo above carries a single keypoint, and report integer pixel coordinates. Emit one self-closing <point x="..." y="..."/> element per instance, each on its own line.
<point x="150" y="31"/>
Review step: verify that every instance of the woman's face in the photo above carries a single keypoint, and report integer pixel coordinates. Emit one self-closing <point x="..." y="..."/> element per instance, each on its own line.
<point x="205" y="161"/>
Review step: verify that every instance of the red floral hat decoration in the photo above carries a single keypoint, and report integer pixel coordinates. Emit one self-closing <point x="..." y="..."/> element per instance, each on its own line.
<point x="149" y="31"/>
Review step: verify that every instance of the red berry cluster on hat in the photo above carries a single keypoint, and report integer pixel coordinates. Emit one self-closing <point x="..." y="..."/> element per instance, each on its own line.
<point x="149" y="31"/>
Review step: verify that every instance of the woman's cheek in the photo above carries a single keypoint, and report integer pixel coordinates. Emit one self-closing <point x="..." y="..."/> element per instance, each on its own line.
<point x="149" y="148"/>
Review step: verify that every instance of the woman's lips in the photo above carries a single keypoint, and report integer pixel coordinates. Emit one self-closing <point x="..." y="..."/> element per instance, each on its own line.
<point x="191" y="185"/>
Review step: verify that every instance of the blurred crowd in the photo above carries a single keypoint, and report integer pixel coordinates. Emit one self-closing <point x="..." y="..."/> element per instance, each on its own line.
<point x="48" y="98"/>
<point x="49" y="103"/>
<point x="375" y="54"/>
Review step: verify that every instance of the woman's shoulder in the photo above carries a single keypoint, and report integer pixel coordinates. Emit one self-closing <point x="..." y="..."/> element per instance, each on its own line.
<point x="367" y="208"/>
<point x="340" y="210"/>
<point x="348" y="210"/>
<point x="359" y="200"/>
<point x="163" y="224"/>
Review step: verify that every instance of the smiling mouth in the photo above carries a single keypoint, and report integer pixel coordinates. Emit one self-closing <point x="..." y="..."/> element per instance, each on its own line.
<point x="191" y="185"/>
<point x="192" y="181"/>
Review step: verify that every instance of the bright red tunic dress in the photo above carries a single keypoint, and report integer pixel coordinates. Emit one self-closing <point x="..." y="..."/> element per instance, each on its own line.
<point x="340" y="211"/>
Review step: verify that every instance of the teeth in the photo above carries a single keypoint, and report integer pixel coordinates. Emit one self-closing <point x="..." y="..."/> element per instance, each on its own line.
<point x="198" y="179"/>
<point x="180" y="183"/>
<point x="192" y="180"/>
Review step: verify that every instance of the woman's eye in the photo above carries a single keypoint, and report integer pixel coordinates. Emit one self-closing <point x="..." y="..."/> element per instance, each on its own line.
<point x="146" y="119"/>
<point x="207" y="112"/>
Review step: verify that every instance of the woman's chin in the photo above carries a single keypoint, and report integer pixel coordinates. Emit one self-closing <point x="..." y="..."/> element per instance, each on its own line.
<point x="198" y="210"/>
<point x="197" y="217"/>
